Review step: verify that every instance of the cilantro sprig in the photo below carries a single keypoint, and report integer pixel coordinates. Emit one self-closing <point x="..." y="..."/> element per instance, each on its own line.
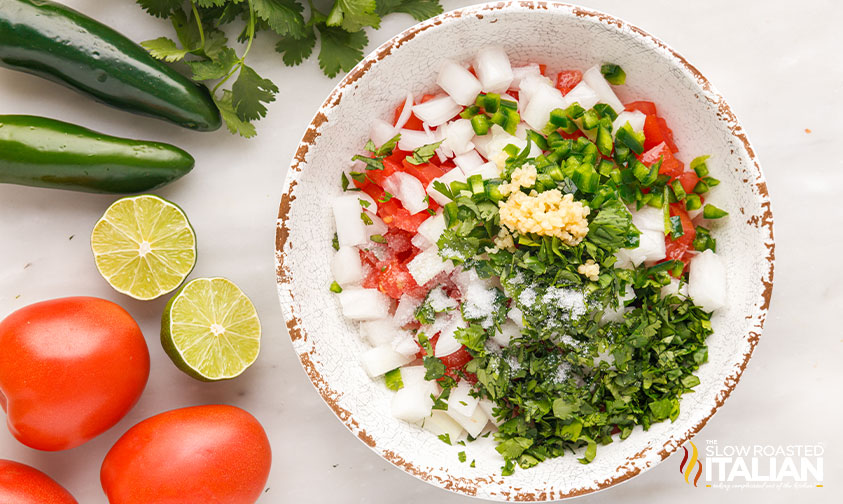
<point x="203" y="47"/>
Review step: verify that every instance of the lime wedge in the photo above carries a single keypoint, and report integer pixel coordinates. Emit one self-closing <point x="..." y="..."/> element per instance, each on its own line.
<point x="144" y="246"/>
<point x="210" y="330"/>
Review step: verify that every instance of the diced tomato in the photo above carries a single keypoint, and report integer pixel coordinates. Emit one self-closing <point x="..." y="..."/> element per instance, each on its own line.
<point x="395" y="215"/>
<point x="646" y="107"/>
<point x="571" y="136"/>
<point x="422" y="353"/>
<point x="395" y="280"/>
<point x="425" y="172"/>
<point x="457" y="359"/>
<point x="543" y="68"/>
<point x="413" y="123"/>
<point x="677" y="249"/>
<point x="688" y="180"/>
<point x="670" y="165"/>
<point x="567" y="80"/>
<point x="371" y="189"/>
<point x="656" y="132"/>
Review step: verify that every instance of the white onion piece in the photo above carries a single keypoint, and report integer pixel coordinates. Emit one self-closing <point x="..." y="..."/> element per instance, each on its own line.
<point x="707" y="281"/>
<point x="461" y="400"/>
<point x="509" y="331"/>
<point x="493" y="69"/>
<point x="412" y="139"/>
<point x="634" y="118"/>
<point x="377" y="227"/>
<point x="379" y="332"/>
<point x="459" y="83"/>
<point x="408" y="190"/>
<point x="481" y="143"/>
<point x="516" y="315"/>
<point x="473" y="424"/>
<point x="350" y="227"/>
<point x="406" y="112"/>
<point x="439" y="423"/>
<point x="595" y="80"/>
<point x="420" y="241"/>
<point x="412" y="403"/>
<point x="437" y="111"/>
<point x="382" y="359"/>
<point x="650" y="248"/>
<point x="405" y="344"/>
<point x="447" y="343"/>
<point x="488" y="170"/>
<point x="544" y="100"/>
<point x="381" y="132"/>
<point x="406" y="309"/>
<point x="584" y="95"/>
<point x="469" y="161"/>
<point x="364" y="304"/>
<point x="431" y="229"/>
<point x="427" y="265"/>
<point x="675" y="287"/>
<point x="528" y="87"/>
<point x="452" y="176"/>
<point x="520" y="73"/>
<point x="346" y="266"/>
<point x="611" y="314"/>
<point x="488" y="408"/>
<point x="648" y="218"/>
<point x="457" y="136"/>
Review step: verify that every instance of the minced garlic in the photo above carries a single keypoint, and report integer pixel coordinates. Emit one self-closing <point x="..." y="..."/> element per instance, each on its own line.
<point x="504" y="240"/>
<point x="547" y="213"/>
<point x="523" y="176"/>
<point x="590" y="270"/>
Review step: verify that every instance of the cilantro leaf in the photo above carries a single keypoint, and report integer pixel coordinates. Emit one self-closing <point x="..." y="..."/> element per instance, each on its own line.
<point x="612" y="226"/>
<point x="434" y="368"/>
<point x="514" y="447"/>
<point x="215" y="44"/>
<point x="232" y="120"/>
<point x="473" y="337"/>
<point x="340" y="50"/>
<point x="159" y="8"/>
<point x="218" y="68"/>
<point x="250" y="92"/>
<point x="187" y="30"/>
<point x="282" y="16"/>
<point x="424" y="153"/>
<point x="164" y="49"/>
<point x="419" y="9"/>
<point x="352" y="15"/>
<point x="210" y="3"/>
<point x="295" y="50"/>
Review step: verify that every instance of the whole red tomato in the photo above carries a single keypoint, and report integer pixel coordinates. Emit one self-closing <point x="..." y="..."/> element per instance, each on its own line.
<point x="70" y="369"/>
<point x="21" y="484"/>
<point x="198" y="455"/>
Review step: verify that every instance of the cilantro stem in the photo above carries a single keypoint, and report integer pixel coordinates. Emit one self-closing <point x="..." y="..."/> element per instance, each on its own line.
<point x="198" y="25"/>
<point x="242" y="60"/>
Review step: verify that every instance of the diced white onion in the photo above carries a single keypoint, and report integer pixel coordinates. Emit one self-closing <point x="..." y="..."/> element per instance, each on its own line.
<point x="405" y="344"/>
<point x="363" y="304"/>
<point x="437" y="111"/>
<point x="528" y="87"/>
<point x="594" y="78"/>
<point x="412" y="139"/>
<point x="493" y="69"/>
<point x="379" y="332"/>
<point x="543" y="101"/>
<point x="461" y="400"/>
<point x="420" y="241"/>
<point x="458" y="82"/>
<point x="634" y="118"/>
<point x="468" y="162"/>
<point x="377" y="227"/>
<point x="431" y="229"/>
<point x="651" y="247"/>
<point x="675" y="287"/>
<point x="447" y="343"/>
<point x="457" y="136"/>
<point x="382" y="359"/>
<point x="509" y="330"/>
<point x="488" y="408"/>
<point x="350" y="227"/>
<point x="408" y="189"/>
<point x="516" y="315"/>
<point x="406" y="112"/>
<point x="520" y="73"/>
<point x="707" y="281"/>
<point x="439" y="423"/>
<point x="584" y="95"/>
<point x="648" y="218"/>
<point x="473" y="424"/>
<point x="382" y="132"/>
<point x="346" y="266"/>
<point x="487" y="170"/>
<point x="413" y="403"/>
<point x="406" y="309"/>
<point x="454" y="175"/>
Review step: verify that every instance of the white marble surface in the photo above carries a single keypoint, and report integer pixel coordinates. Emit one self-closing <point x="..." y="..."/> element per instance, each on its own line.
<point x="775" y="62"/>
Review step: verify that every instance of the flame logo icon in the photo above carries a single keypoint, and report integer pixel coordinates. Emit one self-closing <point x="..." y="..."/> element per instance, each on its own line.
<point x="687" y="466"/>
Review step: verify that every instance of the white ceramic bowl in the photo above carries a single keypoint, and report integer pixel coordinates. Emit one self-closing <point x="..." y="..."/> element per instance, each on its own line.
<point x="563" y="37"/>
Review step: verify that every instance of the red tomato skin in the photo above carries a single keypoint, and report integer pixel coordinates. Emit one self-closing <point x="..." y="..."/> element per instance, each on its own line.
<point x="645" y="107"/>
<point x="670" y="165"/>
<point x="197" y="455"/>
<point x="568" y="80"/>
<point x="457" y="359"/>
<point x="70" y="369"/>
<point x="21" y="484"/>
<point x="689" y="181"/>
<point x="677" y="249"/>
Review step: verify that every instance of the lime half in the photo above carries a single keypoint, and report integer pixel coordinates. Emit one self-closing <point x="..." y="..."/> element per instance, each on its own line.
<point x="144" y="246"/>
<point x="210" y="329"/>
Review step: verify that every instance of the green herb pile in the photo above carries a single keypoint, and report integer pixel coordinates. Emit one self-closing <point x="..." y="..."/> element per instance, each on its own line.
<point x="203" y="46"/>
<point x="615" y="375"/>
